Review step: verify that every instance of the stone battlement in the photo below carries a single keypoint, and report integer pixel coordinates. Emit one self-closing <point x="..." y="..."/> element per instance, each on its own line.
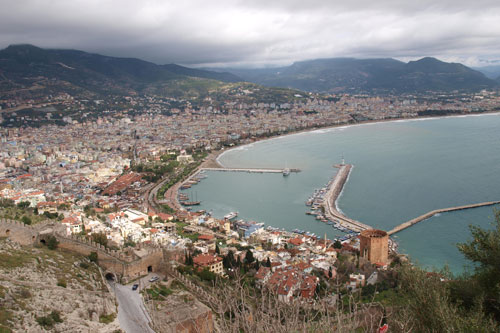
<point x="124" y="264"/>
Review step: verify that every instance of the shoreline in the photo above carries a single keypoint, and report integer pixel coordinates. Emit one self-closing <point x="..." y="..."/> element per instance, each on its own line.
<point x="221" y="152"/>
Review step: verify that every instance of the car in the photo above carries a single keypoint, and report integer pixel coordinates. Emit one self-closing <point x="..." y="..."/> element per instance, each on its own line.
<point x="154" y="278"/>
<point x="135" y="286"/>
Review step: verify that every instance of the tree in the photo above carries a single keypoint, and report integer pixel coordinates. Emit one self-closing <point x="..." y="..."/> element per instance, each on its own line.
<point x="249" y="257"/>
<point x="93" y="256"/>
<point x="26" y="220"/>
<point x="484" y="250"/>
<point x="23" y="204"/>
<point x="52" y="242"/>
<point x="337" y="244"/>
<point x="100" y="238"/>
<point x="217" y="250"/>
<point x="268" y="264"/>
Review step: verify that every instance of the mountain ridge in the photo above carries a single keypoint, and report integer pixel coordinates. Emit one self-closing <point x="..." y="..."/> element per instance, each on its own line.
<point x="92" y="71"/>
<point x="377" y="75"/>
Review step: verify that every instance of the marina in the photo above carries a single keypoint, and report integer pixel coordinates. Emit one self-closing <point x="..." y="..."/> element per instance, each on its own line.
<point x="329" y="201"/>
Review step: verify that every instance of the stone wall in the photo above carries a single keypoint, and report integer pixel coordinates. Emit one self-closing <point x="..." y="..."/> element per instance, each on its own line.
<point x="123" y="265"/>
<point x="20" y="232"/>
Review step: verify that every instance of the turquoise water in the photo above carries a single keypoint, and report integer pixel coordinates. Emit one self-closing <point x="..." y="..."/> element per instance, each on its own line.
<point x="401" y="170"/>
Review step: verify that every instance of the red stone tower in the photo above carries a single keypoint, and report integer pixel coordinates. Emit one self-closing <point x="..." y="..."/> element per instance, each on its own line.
<point x="374" y="246"/>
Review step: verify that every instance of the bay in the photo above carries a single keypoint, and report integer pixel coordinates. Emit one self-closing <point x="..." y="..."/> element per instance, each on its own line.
<point x="402" y="169"/>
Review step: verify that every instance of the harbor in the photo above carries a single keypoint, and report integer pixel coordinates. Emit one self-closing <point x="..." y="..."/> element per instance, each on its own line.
<point x="329" y="203"/>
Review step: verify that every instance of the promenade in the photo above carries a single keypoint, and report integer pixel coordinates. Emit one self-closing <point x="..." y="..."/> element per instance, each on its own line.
<point x="332" y="195"/>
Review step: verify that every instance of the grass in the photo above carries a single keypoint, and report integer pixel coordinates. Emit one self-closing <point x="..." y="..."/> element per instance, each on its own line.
<point x="5" y="316"/>
<point x="159" y="292"/>
<point x="193" y="237"/>
<point x="106" y="319"/>
<point x="14" y="259"/>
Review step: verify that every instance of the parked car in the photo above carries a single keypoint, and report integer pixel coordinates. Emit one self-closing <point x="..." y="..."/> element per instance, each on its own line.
<point x="154" y="278"/>
<point x="135" y="286"/>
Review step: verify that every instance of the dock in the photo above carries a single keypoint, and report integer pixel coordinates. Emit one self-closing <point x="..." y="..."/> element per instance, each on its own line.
<point x="251" y="170"/>
<point x="333" y="194"/>
<point x="430" y="214"/>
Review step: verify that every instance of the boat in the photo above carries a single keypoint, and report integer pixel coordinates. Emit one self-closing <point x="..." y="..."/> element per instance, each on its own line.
<point x="190" y="203"/>
<point x="286" y="172"/>
<point x="231" y="215"/>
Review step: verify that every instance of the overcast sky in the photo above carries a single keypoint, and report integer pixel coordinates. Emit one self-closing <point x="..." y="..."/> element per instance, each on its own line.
<point x="258" y="32"/>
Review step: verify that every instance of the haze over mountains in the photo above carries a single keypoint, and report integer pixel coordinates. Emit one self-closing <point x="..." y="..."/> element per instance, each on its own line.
<point x="370" y="75"/>
<point x="103" y="73"/>
<point x="94" y="72"/>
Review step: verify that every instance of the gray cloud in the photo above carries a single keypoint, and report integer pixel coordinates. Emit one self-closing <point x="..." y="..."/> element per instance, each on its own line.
<point x="258" y="32"/>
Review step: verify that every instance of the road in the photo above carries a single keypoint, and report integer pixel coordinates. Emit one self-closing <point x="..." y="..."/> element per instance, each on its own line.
<point x="132" y="315"/>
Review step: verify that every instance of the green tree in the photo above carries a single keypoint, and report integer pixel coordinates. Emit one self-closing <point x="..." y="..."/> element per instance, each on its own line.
<point x="26" y="220"/>
<point x="217" y="250"/>
<point x="337" y="244"/>
<point x="23" y="204"/>
<point x="100" y="238"/>
<point x="52" y="242"/>
<point x="268" y="264"/>
<point x="484" y="251"/>
<point x="249" y="257"/>
<point x="93" y="256"/>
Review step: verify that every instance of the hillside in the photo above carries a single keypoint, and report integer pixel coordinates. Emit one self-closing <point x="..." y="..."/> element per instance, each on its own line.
<point x="22" y="65"/>
<point x="45" y="289"/>
<point x="370" y="75"/>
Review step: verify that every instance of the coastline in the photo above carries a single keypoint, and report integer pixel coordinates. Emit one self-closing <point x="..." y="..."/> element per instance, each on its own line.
<point x="221" y="152"/>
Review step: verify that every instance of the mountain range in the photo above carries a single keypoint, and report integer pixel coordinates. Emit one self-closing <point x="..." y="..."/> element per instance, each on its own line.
<point x="370" y="75"/>
<point x="20" y="65"/>
<point x="93" y="72"/>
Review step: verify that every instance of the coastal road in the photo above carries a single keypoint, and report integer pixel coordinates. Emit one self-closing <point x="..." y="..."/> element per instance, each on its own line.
<point x="132" y="314"/>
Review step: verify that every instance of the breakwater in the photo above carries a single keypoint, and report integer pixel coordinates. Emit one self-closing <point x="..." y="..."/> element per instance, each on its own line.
<point x="251" y="170"/>
<point x="430" y="214"/>
<point x="333" y="193"/>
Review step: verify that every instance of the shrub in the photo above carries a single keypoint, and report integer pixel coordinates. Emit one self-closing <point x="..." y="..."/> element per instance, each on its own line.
<point x="84" y="265"/>
<point x="93" y="256"/>
<point x="26" y="220"/>
<point x="106" y="319"/>
<point x="52" y="242"/>
<point x="61" y="283"/>
<point x="56" y="316"/>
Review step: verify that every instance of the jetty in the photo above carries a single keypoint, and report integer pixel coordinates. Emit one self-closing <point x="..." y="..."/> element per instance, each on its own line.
<point x="430" y="214"/>
<point x="333" y="194"/>
<point x="251" y="170"/>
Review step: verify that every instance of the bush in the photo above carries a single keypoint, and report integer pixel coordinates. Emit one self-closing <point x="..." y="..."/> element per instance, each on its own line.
<point x="206" y="275"/>
<point x="26" y="220"/>
<point x="84" y="265"/>
<point x="49" y="321"/>
<point x="52" y="242"/>
<point x="106" y="319"/>
<point x="46" y="321"/>
<point x="56" y="316"/>
<point x="61" y="283"/>
<point x="93" y="256"/>
<point x="23" y="204"/>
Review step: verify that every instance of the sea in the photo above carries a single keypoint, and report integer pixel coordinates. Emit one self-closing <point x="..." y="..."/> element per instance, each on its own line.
<point x="402" y="169"/>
